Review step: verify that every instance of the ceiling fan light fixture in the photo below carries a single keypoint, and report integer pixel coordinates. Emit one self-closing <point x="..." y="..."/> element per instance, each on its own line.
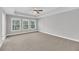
<point x="37" y="12"/>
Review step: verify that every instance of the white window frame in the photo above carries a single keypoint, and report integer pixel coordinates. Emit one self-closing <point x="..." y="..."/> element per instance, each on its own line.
<point x="30" y="25"/>
<point x="22" y="24"/>
<point x="12" y="24"/>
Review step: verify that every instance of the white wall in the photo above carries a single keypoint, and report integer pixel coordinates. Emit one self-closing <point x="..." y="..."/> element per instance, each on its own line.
<point x="2" y="26"/>
<point x="64" y="24"/>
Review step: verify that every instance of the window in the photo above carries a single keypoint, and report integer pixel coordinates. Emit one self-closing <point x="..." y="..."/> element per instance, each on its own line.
<point x="32" y="24"/>
<point x="24" y="24"/>
<point x="18" y="24"/>
<point x="15" y="24"/>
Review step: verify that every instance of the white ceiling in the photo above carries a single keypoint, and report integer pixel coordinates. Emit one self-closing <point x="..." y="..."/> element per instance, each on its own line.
<point x="28" y="10"/>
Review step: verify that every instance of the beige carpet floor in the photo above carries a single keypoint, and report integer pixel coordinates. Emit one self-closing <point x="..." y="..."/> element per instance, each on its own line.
<point x="38" y="42"/>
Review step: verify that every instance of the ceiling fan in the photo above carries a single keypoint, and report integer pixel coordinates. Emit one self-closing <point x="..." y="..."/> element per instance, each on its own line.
<point x="37" y="11"/>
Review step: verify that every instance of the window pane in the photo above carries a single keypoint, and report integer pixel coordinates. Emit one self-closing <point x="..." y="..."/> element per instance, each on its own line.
<point x="25" y="24"/>
<point x="13" y="28"/>
<point x="16" y="25"/>
<point x="32" y="24"/>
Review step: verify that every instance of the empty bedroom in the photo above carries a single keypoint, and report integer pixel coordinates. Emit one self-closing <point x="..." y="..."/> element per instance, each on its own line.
<point x="39" y="29"/>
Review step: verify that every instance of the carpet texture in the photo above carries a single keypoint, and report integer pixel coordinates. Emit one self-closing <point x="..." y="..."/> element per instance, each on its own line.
<point x="38" y="42"/>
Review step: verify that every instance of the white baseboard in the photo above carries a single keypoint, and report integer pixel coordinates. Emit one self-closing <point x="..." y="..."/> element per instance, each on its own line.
<point x="77" y="40"/>
<point x="20" y="33"/>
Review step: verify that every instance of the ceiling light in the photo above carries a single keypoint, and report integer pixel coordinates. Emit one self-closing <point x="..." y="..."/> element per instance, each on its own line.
<point x="37" y="12"/>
